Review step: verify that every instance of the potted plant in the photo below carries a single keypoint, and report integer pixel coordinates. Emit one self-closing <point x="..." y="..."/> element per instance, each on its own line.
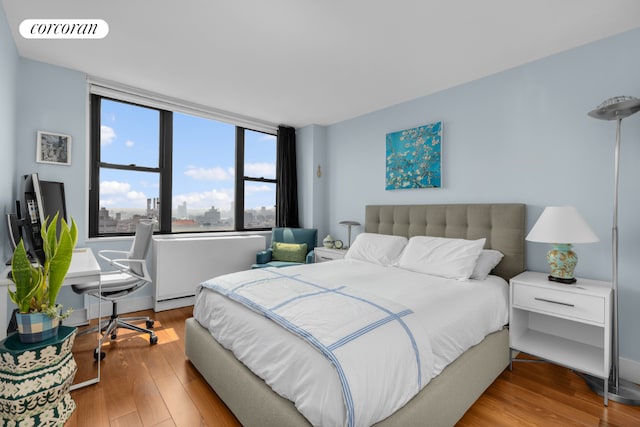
<point x="37" y="286"/>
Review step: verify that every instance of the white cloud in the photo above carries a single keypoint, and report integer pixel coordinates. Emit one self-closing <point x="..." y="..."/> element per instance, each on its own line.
<point x="107" y="135"/>
<point x="129" y="143"/>
<point x="210" y="174"/>
<point x="114" y="187"/>
<point x="257" y="170"/>
<point x="251" y="189"/>
<point x="117" y="194"/>
<point x="106" y="203"/>
<point x="136" y="195"/>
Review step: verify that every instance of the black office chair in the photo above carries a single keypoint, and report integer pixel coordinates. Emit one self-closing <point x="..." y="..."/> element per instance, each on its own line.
<point x="129" y="276"/>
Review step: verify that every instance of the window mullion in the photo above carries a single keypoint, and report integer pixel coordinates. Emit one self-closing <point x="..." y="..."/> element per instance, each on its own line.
<point x="239" y="196"/>
<point x="166" y="168"/>
<point x="261" y="179"/>
<point x="131" y="167"/>
<point x="94" y="179"/>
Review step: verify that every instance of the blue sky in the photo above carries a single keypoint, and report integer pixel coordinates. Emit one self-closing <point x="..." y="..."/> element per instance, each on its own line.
<point x="203" y="160"/>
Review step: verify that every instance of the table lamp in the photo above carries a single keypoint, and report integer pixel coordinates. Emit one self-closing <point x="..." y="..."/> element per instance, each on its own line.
<point x="349" y="224"/>
<point x="561" y="226"/>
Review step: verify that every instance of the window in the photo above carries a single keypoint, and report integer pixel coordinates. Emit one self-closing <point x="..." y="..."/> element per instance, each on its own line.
<point x="259" y="181"/>
<point x="190" y="173"/>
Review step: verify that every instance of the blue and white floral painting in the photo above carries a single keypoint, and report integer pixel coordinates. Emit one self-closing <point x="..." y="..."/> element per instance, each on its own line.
<point x="414" y="157"/>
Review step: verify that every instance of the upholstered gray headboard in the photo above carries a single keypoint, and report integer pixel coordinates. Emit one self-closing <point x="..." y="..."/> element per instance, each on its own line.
<point x="503" y="225"/>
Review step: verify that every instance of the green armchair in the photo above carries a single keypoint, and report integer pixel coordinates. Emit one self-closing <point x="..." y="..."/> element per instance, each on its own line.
<point x="282" y="255"/>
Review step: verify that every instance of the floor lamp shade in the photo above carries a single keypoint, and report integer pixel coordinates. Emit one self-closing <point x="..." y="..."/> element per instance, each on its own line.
<point x="562" y="226"/>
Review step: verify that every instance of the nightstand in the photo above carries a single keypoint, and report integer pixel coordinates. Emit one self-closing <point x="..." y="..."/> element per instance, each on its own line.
<point x="328" y="254"/>
<point x="565" y="324"/>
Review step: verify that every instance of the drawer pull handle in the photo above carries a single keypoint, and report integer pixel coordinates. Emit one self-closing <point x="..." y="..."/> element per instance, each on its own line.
<point x="554" y="302"/>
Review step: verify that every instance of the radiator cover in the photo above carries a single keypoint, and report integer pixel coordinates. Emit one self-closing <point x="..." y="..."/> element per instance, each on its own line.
<point x="180" y="264"/>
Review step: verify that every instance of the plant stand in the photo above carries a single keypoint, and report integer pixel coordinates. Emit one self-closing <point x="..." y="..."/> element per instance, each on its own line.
<point x="35" y="380"/>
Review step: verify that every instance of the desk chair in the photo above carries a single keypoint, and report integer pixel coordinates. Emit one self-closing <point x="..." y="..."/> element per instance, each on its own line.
<point x="129" y="276"/>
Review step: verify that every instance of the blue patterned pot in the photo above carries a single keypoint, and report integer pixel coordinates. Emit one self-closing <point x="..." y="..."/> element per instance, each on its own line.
<point x="36" y="327"/>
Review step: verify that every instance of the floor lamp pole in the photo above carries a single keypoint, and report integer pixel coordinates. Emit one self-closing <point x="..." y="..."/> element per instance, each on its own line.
<point x="615" y="346"/>
<point x="619" y="390"/>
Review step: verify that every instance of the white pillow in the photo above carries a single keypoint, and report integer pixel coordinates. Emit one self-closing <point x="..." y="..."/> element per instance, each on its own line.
<point x="440" y="256"/>
<point x="486" y="262"/>
<point x="380" y="249"/>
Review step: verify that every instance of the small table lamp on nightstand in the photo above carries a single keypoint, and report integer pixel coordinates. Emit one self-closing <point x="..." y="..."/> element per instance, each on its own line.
<point x="561" y="226"/>
<point x="349" y="224"/>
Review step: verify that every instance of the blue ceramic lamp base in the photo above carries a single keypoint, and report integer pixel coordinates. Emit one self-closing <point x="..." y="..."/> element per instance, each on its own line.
<point x="562" y="261"/>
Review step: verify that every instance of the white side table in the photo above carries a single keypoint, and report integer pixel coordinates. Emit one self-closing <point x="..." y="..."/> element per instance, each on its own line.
<point x="328" y="254"/>
<point x="569" y="325"/>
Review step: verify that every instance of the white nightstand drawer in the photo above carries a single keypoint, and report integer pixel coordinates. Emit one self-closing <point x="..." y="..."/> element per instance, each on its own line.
<point x="560" y="303"/>
<point x="328" y="254"/>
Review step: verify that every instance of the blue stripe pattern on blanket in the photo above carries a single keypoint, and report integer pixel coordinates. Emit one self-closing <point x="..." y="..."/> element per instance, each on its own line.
<point x="273" y="279"/>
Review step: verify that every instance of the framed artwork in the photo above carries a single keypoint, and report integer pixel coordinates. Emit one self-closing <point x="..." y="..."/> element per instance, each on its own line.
<point x="414" y="158"/>
<point x="53" y="148"/>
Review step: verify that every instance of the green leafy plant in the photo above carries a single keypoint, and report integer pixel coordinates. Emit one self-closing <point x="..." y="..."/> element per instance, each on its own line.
<point x="37" y="286"/>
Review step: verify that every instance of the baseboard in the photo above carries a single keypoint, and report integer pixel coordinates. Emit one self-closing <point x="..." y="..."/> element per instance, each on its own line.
<point x="126" y="305"/>
<point x="174" y="303"/>
<point x="630" y="370"/>
<point x="77" y="318"/>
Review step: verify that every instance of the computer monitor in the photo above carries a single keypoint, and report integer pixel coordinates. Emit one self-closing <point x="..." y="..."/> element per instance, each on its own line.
<point x="41" y="200"/>
<point x="53" y="201"/>
<point x="32" y="215"/>
<point x="14" y="224"/>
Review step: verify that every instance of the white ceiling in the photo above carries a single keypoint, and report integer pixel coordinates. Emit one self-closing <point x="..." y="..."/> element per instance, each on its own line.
<point x="301" y="62"/>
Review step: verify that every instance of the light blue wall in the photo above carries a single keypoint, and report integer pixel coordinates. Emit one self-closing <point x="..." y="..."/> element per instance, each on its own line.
<point x="8" y="76"/>
<point x="54" y="99"/>
<point x="522" y="135"/>
<point x="519" y="136"/>
<point x="312" y="201"/>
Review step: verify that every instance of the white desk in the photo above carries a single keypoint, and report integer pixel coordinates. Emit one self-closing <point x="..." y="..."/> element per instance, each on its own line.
<point x="84" y="268"/>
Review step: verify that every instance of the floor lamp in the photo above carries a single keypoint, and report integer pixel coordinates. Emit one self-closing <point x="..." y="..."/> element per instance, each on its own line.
<point x="616" y="108"/>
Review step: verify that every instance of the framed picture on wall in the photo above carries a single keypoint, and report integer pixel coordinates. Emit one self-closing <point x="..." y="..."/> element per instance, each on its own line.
<point x="53" y="148"/>
<point x="414" y="158"/>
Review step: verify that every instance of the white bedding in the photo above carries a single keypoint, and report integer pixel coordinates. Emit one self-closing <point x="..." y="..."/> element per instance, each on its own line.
<point x="455" y="315"/>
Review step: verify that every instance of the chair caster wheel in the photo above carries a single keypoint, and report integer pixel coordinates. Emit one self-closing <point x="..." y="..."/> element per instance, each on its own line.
<point x="153" y="339"/>
<point x="114" y="336"/>
<point x="150" y="323"/>
<point x="99" y="356"/>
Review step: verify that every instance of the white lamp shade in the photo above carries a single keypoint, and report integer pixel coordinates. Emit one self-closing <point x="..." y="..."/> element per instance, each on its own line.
<point x="561" y="224"/>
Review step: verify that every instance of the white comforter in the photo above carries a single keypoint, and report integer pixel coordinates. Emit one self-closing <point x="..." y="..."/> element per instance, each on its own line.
<point x="451" y="315"/>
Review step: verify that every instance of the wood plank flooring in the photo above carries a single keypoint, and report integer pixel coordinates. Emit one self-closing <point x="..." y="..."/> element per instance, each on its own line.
<point x="145" y="385"/>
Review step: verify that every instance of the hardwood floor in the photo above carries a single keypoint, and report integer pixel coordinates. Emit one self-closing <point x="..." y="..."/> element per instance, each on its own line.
<point x="143" y="385"/>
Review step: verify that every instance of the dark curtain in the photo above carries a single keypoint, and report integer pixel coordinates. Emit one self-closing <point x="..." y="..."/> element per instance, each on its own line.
<point x="287" y="187"/>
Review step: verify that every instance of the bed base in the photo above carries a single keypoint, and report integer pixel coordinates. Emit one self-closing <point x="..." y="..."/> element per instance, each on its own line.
<point x="441" y="403"/>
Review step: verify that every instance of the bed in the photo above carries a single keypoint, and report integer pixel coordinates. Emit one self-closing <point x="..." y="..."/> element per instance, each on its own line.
<point x="446" y="397"/>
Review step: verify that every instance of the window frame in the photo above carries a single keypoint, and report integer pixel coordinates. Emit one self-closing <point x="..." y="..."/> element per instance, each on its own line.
<point x="242" y="178"/>
<point x="164" y="169"/>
